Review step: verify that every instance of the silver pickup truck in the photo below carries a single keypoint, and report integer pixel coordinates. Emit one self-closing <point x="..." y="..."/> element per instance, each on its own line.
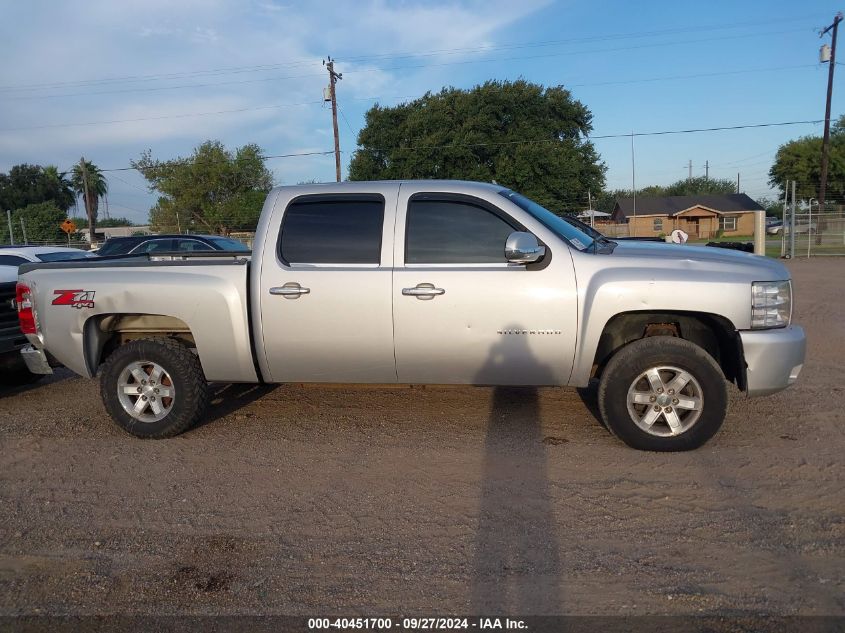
<point x="440" y="282"/>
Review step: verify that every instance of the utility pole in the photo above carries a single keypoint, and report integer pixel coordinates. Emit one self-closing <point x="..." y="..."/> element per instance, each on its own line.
<point x="783" y="219"/>
<point x="633" y="180"/>
<point x="333" y="79"/>
<point x="23" y="230"/>
<point x="792" y="225"/>
<point x="11" y="234"/>
<point x="590" y="207"/>
<point x="86" y="198"/>
<point x="707" y="170"/>
<point x="826" y="139"/>
<point x="689" y="177"/>
<point x="737" y="182"/>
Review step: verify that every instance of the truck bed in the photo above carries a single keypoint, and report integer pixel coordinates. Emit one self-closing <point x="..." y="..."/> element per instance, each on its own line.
<point x="205" y="292"/>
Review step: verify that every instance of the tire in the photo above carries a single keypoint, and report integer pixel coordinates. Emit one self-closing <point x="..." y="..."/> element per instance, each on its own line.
<point x="158" y="367"/>
<point x="628" y="395"/>
<point x="14" y="373"/>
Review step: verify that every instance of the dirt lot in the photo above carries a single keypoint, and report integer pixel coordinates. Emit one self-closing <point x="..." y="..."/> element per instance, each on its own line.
<point x="314" y="500"/>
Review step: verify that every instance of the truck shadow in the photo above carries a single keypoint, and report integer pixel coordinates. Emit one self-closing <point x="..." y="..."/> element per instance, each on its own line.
<point x="59" y="375"/>
<point x="227" y="399"/>
<point x="590" y="399"/>
<point x="517" y="566"/>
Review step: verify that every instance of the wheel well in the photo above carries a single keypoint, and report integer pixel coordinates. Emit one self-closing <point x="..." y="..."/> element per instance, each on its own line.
<point x="106" y="332"/>
<point x="713" y="333"/>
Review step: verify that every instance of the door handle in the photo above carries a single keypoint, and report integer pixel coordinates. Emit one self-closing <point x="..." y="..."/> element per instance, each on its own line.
<point x="423" y="291"/>
<point x="290" y="290"/>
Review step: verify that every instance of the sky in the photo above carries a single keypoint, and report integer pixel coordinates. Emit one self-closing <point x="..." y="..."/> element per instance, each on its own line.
<point x="109" y="79"/>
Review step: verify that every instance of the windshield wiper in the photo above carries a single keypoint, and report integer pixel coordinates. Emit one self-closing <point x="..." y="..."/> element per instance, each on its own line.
<point x="603" y="245"/>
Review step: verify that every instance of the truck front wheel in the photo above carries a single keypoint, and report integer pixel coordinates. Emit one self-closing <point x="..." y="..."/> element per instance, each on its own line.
<point x="154" y="388"/>
<point x="663" y="394"/>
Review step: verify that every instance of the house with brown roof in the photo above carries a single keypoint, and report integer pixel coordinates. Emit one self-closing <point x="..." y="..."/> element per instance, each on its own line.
<point x="702" y="217"/>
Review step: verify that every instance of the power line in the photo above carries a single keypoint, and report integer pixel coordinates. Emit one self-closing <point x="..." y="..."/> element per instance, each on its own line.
<point x="387" y="98"/>
<point x="144" y="189"/>
<point x="406" y="67"/>
<point x="158" y="118"/>
<point x="346" y="120"/>
<point x="536" y="141"/>
<point x="694" y="76"/>
<point x="297" y="154"/>
<point x="605" y="37"/>
<point x="400" y="55"/>
<point x="710" y="129"/>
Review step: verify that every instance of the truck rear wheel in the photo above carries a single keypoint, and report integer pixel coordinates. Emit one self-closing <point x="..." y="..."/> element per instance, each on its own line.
<point x="663" y="394"/>
<point x="154" y="388"/>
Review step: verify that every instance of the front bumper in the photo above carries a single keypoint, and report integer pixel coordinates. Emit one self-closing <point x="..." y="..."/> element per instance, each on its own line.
<point x="773" y="358"/>
<point x="36" y="360"/>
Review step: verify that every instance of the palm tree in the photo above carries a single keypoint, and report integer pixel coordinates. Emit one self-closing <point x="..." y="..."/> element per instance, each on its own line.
<point x="63" y="190"/>
<point x="88" y="181"/>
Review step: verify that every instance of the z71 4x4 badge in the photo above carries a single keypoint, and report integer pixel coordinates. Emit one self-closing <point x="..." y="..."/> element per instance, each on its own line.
<point x="74" y="298"/>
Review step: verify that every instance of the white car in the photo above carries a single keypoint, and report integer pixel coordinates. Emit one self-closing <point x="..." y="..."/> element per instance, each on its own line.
<point x="14" y="256"/>
<point x="777" y="229"/>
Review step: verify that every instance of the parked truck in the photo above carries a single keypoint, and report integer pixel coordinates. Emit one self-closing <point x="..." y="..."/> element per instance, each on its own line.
<point x="442" y="282"/>
<point x="13" y="370"/>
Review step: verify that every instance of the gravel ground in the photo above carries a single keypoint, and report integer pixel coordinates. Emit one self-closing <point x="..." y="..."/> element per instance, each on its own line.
<point x="312" y="500"/>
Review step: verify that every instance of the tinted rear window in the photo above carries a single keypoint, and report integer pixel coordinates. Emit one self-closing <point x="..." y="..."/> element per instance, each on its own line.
<point x="12" y="260"/>
<point x="229" y="244"/>
<point x="61" y="256"/>
<point x="192" y="245"/>
<point x="117" y="247"/>
<point x="152" y="246"/>
<point x="333" y="230"/>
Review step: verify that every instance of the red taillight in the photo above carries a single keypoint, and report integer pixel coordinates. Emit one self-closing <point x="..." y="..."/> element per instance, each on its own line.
<point x="26" y="316"/>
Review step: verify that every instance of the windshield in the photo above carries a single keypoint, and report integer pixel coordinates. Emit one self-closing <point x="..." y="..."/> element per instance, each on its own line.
<point x="577" y="238"/>
<point x="61" y="256"/>
<point x="228" y="244"/>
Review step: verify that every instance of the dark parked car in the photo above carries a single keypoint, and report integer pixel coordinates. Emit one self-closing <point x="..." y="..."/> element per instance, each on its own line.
<point x="169" y="244"/>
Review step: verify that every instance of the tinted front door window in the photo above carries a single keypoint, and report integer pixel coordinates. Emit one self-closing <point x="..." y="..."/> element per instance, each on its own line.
<point x="454" y="232"/>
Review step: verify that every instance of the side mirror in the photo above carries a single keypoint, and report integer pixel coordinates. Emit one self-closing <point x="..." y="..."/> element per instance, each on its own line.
<point x="523" y="248"/>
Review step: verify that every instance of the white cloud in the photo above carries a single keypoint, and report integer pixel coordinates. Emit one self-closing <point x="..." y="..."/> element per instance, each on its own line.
<point x="149" y="39"/>
<point x="204" y="34"/>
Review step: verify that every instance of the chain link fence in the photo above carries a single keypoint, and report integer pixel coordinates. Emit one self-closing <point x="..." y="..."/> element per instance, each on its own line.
<point x="81" y="244"/>
<point x="815" y="234"/>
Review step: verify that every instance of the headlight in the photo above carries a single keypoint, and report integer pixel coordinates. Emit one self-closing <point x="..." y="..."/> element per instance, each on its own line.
<point x="771" y="304"/>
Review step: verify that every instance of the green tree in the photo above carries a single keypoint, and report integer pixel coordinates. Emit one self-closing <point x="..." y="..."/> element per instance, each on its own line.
<point x="32" y="184"/>
<point x="774" y="208"/>
<point x="41" y="221"/>
<point x="63" y="187"/>
<point x="606" y="200"/>
<point x="106" y="223"/>
<point x="212" y="190"/>
<point x="698" y="186"/>
<point x="800" y="161"/>
<point x="522" y="135"/>
<point x="88" y="181"/>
